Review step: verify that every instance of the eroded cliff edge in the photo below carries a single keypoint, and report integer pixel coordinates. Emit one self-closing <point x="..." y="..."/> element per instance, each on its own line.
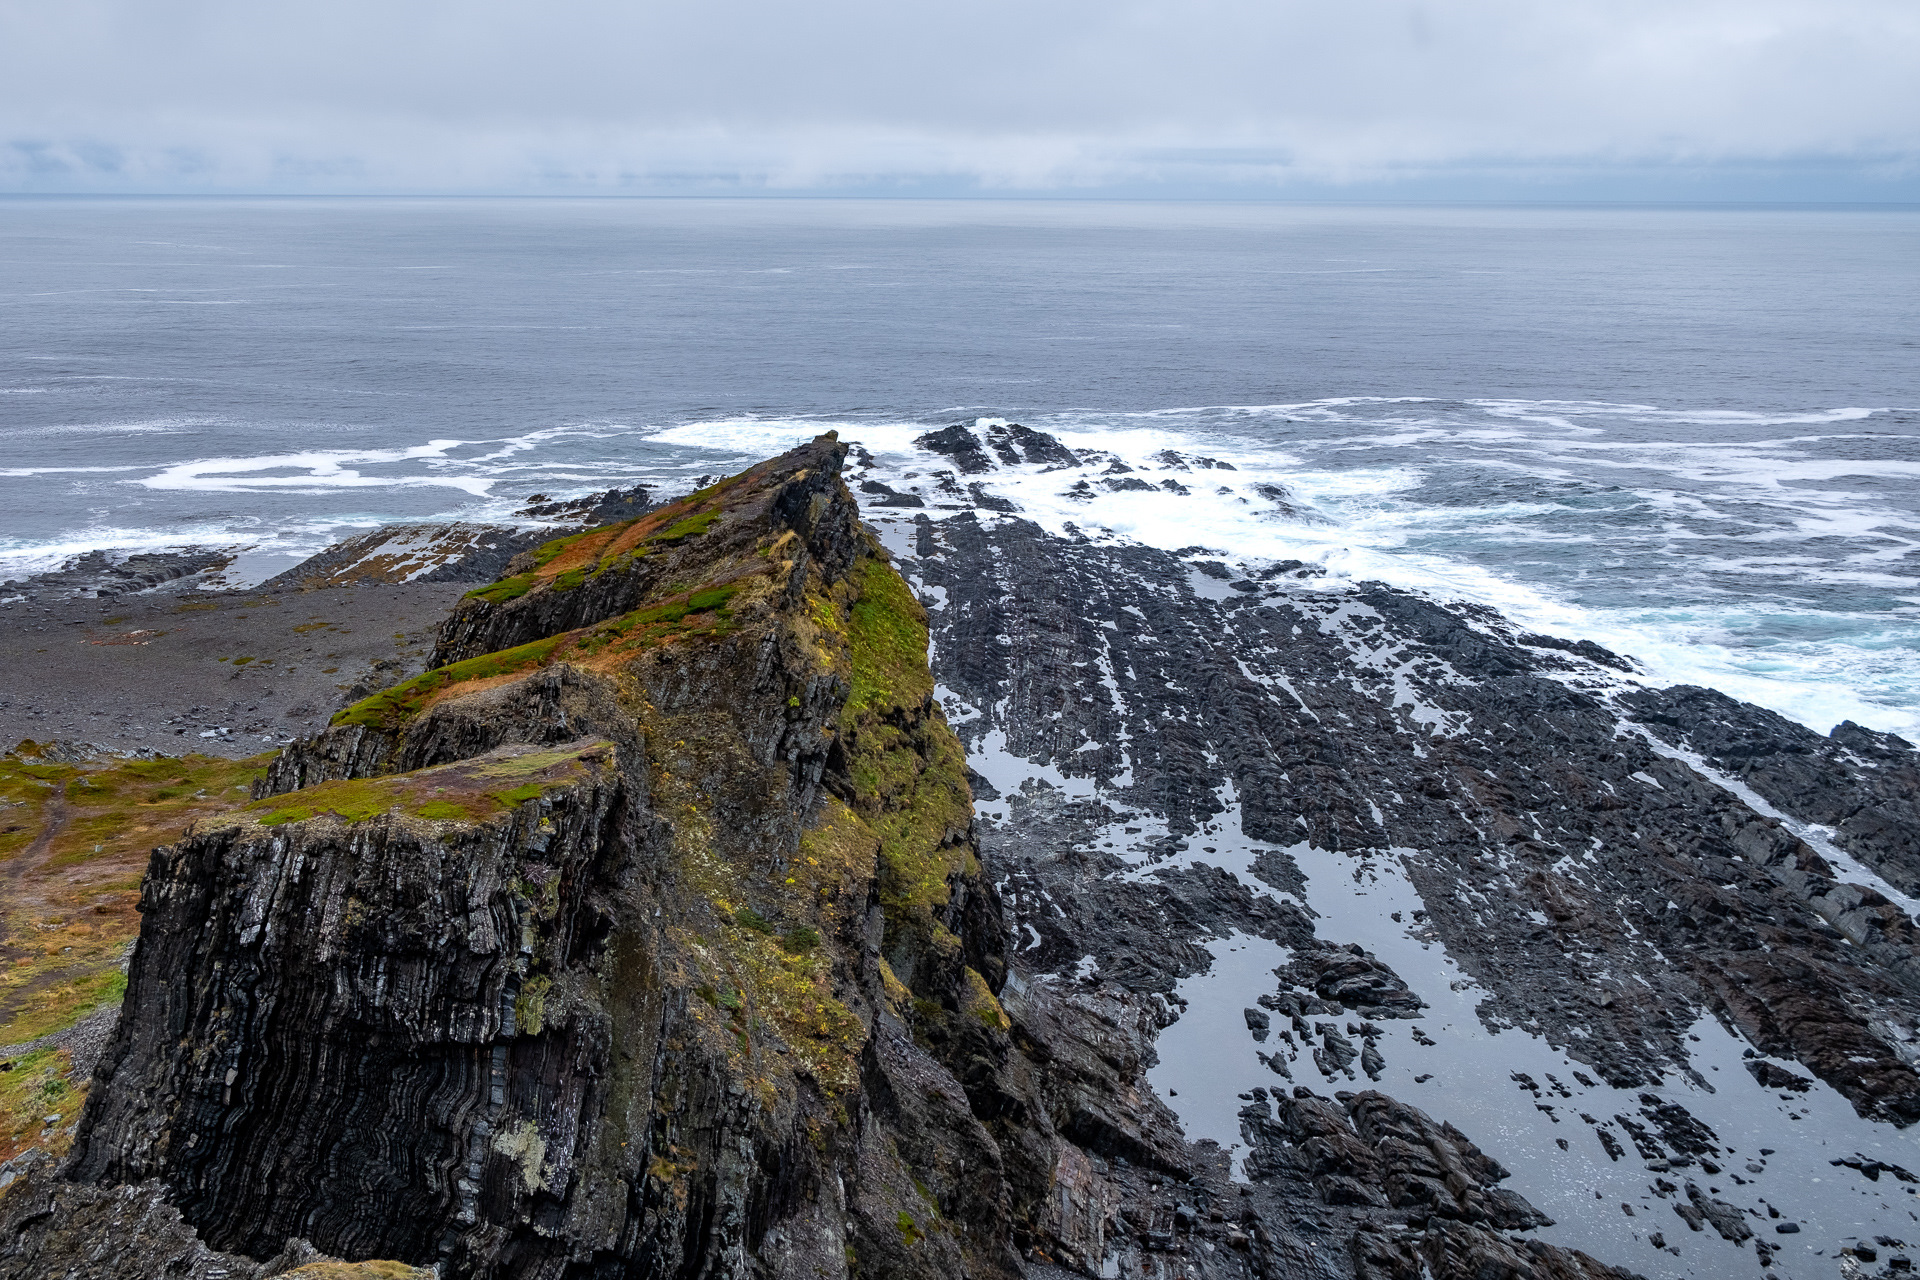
<point x="607" y="950"/>
<point x="646" y="935"/>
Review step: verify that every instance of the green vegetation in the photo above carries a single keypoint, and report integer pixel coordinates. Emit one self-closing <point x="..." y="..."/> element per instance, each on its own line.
<point x="982" y="1005"/>
<point x="910" y="791"/>
<point x="391" y="707"/>
<point x="504" y="590"/>
<point x="63" y="1004"/>
<point x="32" y="1088"/>
<point x="350" y="801"/>
<point x="691" y="527"/>
<point x="547" y="552"/>
<point x="76" y="839"/>
<point x="470" y="791"/>
<point x="530" y="1006"/>
<point x="887" y="633"/>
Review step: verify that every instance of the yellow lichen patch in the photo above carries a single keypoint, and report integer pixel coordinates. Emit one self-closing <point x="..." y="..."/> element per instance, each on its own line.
<point x="76" y="838"/>
<point x="530" y="1006"/>
<point x="897" y="994"/>
<point x="371" y="1270"/>
<point x="793" y="994"/>
<point x="982" y="1005"/>
<point x="839" y="852"/>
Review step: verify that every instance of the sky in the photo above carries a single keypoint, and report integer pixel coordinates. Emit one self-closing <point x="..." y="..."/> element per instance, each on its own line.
<point x="1710" y="100"/>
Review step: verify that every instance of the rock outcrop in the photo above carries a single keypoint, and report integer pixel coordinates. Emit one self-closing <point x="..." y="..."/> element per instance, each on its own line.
<point x="647" y="934"/>
<point x="655" y="944"/>
<point x="1634" y="891"/>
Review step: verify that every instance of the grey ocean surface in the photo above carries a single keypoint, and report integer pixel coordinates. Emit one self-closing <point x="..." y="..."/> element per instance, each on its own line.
<point x="1692" y="434"/>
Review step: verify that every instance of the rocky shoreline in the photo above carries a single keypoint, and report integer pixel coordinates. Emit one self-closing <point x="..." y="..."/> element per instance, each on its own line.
<point x="1459" y="950"/>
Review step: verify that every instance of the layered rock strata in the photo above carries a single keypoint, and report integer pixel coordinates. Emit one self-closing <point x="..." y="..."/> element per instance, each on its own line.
<point x="649" y="946"/>
<point x="1603" y="889"/>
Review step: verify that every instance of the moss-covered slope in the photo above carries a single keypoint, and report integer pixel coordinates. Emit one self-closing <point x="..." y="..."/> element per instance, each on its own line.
<point x="642" y="935"/>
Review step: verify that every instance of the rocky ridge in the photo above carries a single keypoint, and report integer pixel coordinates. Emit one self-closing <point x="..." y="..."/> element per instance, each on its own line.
<point x="647" y="933"/>
<point x="1174" y="749"/>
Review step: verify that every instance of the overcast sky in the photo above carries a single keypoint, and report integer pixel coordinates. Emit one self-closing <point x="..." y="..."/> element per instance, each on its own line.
<point x="1712" y="99"/>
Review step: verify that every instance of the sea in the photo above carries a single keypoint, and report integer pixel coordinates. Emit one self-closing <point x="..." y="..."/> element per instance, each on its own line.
<point x="1689" y="433"/>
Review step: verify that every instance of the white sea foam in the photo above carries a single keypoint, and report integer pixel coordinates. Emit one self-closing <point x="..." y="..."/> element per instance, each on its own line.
<point x="1361" y="523"/>
<point x="1725" y="558"/>
<point x="316" y="471"/>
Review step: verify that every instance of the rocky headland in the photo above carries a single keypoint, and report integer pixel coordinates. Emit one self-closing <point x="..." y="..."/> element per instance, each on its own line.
<point x="750" y="885"/>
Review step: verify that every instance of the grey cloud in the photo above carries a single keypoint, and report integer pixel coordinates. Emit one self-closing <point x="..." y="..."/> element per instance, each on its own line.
<point x="596" y="94"/>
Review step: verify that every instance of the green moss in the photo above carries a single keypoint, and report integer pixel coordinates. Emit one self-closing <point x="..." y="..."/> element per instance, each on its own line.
<point x="982" y="1005"/>
<point x="358" y="800"/>
<point x="391" y="707"/>
<point x="570" y="579"/>
<point x="530" y="1006"/>
<point x="620" y="563"/>
<point x="748" y="918"/>
<point x="908" y="770"/>
<point x="504" y="590"/>
<point x="691" y="527"/>
<point x="910" y="1233"/>
<point x="887" y="636"/>
<point x="913" y="824"/>
<point x="799" y="940"/>
<point x="241" y="662"/>
<point x="470" y="791"/>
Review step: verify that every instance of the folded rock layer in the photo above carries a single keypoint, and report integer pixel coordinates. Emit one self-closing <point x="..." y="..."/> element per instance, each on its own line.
<point x="646" y="946"/>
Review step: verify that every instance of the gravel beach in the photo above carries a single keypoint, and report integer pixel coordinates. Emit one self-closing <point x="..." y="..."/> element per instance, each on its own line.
<point x="226" y="673"/>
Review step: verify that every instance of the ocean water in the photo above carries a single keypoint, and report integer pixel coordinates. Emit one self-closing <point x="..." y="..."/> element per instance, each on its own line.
<point x="1690" y="434"/>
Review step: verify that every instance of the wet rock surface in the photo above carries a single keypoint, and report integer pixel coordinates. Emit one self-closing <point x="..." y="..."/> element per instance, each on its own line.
<point x="107" y="574"/>
<point x="1603" y="891"/>
<point x="450" y="552"/>
<point x="1128" y="709"/>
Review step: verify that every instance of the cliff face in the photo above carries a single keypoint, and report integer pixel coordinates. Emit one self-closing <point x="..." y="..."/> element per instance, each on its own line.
<point x="644" y="936"/>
